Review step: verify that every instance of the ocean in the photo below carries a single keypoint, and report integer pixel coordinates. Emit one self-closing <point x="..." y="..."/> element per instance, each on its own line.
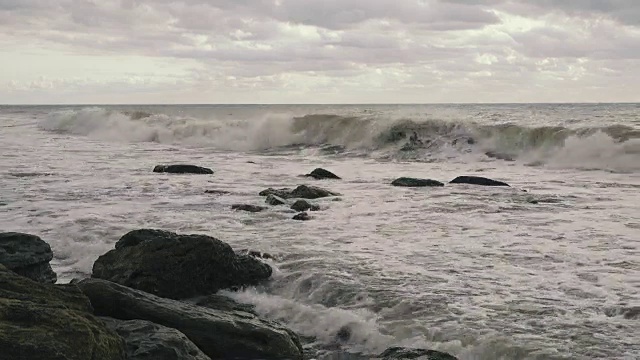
<point x="548" y="268"/>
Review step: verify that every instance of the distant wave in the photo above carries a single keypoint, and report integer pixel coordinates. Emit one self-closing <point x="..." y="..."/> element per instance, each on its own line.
<point x="615" y="148"/>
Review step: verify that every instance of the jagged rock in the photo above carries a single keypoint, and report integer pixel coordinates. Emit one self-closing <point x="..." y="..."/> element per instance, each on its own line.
<point x="51" y="322"/>
<point x="274" y="200"/>
<point x="303" y="216"/>
<point x="219" y="334"/>
<point x="477" y="180"/>
<point x="182" y="169"/>
<point x="320" y="173"/>
<point x="283" y="192"/>
<point x="149" y="341"/>
<point x="27" y="255"/>
<point x="413" y="182"/>
<point x="177" y="266"/>
<point x="247" y="207"/>
<point x="304" y="205"/>
<point x="397" y="353"/>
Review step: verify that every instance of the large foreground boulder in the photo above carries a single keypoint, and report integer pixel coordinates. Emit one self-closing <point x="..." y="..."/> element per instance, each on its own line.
<point x="51" y="322"/>
<point x="27" y="255"/>
<point x="320" y="174"/>
<point x="413" y="182"/>
<point x="219" y="334"/>
<point x="177" y="266"/>
<point x="182" y="169"/>
<point x="148" y="341"/>
<point x="397" y="353"/>
<point x="477" y="180"/>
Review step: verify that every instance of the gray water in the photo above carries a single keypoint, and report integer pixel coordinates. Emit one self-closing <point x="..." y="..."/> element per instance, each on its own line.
<point x="546" y="269"/>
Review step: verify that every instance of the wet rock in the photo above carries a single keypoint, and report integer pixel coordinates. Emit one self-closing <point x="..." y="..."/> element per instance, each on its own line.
<point x="216" y="192"/>
<point x="310" y="192"/>
<point x="320" y="173"/>
<point x="148" y="341"/>
<point x="224" y="303"/>
<point x="182" y="169"/>
<point x="303" y="216"/>
<point x="219" y="334"/>
<point x="27" y="255"/>
<point x="423" y="354"/>
<point x="283" y="192"/>
<point x="477" y="180"/>
<point x="247" y="207"/>
<point x="51" y="322"/>
<point x="177" y="266"/>
<point x="413" y="182"/>
<point x="304" y="205"/>
<point x="499" y="156"/>
<point x="256" y="254"/>
<point x="274" y="200"/>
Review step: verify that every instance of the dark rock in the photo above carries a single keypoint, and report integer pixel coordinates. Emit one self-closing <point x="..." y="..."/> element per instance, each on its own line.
<point x="404" y="353"/>
<point x="274" y="200"/>
<point x="177" y="266"/>
<point x="247" y="207"/>
<point x="256" y="254"/>
<point x="27" y="255"/>
<point x="413" y="182"/>
<point x="51" y="322"/>
<point x="320" y="173"/>
<point x="477" y="180"/>
<point x="224" y="303"/>
<point x="216" y="192"/>
<point x="182" y="169"/>
<point x="304" y="205"/>
<point x="310" y="192"/>
<point x="302" y="216"/>
<point x="148" y="341"/>
<point x="283" y="192"/>
<point x="496" y="155"/>
<point x="219" y="334"/>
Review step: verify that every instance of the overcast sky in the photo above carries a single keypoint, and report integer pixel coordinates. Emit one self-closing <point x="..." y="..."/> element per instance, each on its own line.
<point x="314" y="51"/>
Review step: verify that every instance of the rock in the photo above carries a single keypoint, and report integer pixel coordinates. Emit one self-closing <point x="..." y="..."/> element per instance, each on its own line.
<point x="224" y="303"/>
<point x="247" y="207"/>
<point x="148" y="341"/>
<point x="283" y="192"/>
<point x="256" y="254"/>
<point x="51" y="322"/>
<point x="219" y="334"/>
<point x="310" y="192"/>
<point x="404" y="353"/>
<point x="177" y="266"/>
<point x="496" y="155"/>
<point x="302" y="216"/>
<point x="413" y="182"/>
<point x="477" y="180"/>
<point x="304" y="205"/>
<point x="182" y="169"/>
<point x="216" y="192"/>
<point x="320" y="173"/>
<point x="27" y="255"/>
<point x="274" y="200"/>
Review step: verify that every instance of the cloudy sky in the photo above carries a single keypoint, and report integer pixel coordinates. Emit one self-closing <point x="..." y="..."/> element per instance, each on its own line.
<point x="314" y="51"/>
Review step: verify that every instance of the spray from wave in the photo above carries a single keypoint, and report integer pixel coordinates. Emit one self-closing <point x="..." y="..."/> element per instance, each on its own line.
<point x="614" y="148"/>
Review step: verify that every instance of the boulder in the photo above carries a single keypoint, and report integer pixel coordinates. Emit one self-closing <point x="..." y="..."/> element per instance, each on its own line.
<point x="182" y="169"/>
<point x="219" y="334"/>
<point x="320" y="173"/>
<point x="27" y="255"/>
<point x="51" y="322"/>
<point x="283" y="192"/>
<point x="304" y="205"/>
<point x="310" y="192"/>
<point x="397" y="353"/>
<point x="247" y="207"/>
<point x="148" y="341"/>
<point x="224" y="303"/>
<point x="303" y="216"/>
<point x="274" y="200"/>
<point x="413" y="182"/>
<point x="177" y="266"/>
<point x="477" y="180"/>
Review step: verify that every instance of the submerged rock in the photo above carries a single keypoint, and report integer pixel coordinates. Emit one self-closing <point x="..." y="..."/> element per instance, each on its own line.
<point x="274" y="200"/>
<point x="177" y="266"/>
<point x="283" y="192"/>
<point x="477" y="180"/>
<point x="499" y="156"/>
<point x="216" y="192"/>
<point x="413" y="182"/>
<point x="320" y="173"/>
<point x="247" y="207"/>
<point x="149" y="341"/>
<point x="304" y="205"/>
<point x="51" y="322"/>
<point x="300" y="192"/>
<point x="303" y="216"/>
<point x="27" y="255"/>
<point x="423" y="354"/>
<point x="182" y="169"/>
<point x="219" y="334"/>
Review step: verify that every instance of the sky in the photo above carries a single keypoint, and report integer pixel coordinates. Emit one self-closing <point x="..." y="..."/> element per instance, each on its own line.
<point x="318" y="51"/>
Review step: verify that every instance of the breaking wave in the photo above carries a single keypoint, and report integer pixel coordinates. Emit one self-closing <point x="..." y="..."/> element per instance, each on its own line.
<point x="614" y="148"/>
